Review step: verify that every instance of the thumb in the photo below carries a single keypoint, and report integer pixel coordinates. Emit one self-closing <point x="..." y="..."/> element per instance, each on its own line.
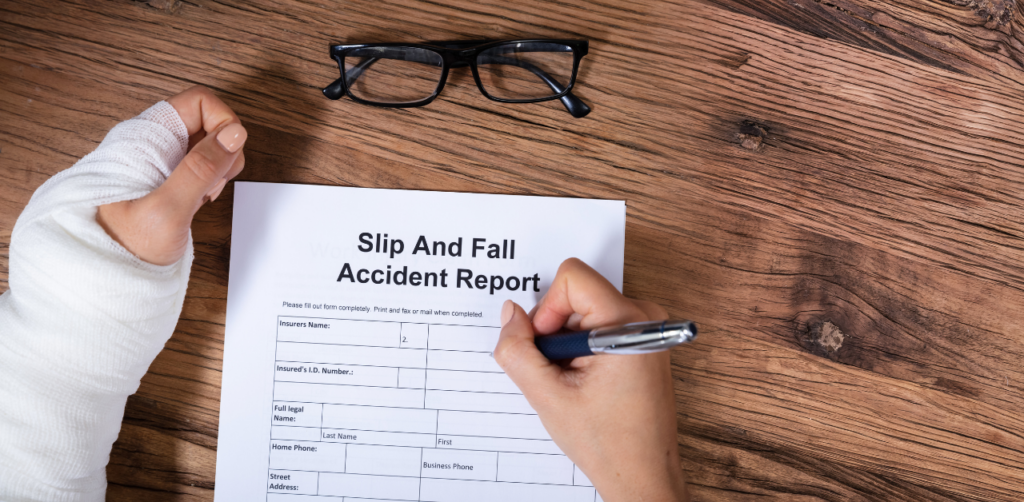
<point x="204" y="171"/>
<point x="519" y="357"/>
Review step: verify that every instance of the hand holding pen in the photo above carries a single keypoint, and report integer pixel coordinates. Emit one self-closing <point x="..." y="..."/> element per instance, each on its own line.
<point x="614" y="417"/>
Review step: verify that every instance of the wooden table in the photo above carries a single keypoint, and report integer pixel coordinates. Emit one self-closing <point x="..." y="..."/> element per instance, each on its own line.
<point x="832" y="189"/>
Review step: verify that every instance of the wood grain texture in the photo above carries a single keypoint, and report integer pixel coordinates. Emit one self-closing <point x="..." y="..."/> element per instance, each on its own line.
<point x="835" y="196"/>
<point x="966" y="36"/>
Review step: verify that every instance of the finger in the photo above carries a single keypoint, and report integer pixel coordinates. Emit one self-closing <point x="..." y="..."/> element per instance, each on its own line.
<point x="517" y="354"/>
<point x="653" y="311"/>
<point x="201" y="110"/>
<point x="579" y="289"/>
<point x="235" y="169"/>
<point x="199" y="173"/>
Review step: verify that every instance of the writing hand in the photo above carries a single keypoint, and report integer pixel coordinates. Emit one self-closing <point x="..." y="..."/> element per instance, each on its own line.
<point x="156" y="227"/>
<point x="614" y="416"/>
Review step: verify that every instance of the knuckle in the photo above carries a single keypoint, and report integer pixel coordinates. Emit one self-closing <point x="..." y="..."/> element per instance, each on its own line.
<point x="505" y="354"/>
<point x="501" y="355"/>
<point x="191" y="93"/>
<point x="570" y="264"/>
<point x="202" y="165"/>
<point x="200" y="89"/>
<point x="574" y="267"/>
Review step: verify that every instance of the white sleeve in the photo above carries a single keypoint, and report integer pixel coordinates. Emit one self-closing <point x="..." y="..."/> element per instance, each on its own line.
<point x="83" y="318"/>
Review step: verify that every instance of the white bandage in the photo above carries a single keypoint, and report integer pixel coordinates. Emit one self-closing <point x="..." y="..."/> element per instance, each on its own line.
<point x="83" y="318"/>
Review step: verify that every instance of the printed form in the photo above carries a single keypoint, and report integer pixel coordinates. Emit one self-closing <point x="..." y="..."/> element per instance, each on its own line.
<point x="360" y="326"/>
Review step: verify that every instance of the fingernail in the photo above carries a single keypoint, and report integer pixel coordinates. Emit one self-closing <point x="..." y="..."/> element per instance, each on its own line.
<point x="216" y="190"/>
<point x="506" y="312"/>
<point x="232" y="137"/>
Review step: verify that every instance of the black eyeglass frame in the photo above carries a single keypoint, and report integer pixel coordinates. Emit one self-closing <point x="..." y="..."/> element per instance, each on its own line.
<point x="458" y="54"/>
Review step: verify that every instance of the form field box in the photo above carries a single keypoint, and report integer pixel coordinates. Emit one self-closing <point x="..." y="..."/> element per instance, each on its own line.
<point x="383" y="460"/>
<point x="337" y="331"/>
<point x="370" y="487"/>
<point x="498" y="444"/>
<point x="281" y="497"/>
<point x="351" y="354"/>
<point x="412" y="378"/>
<point x="295" y="433"/>
<point x="359" y="499"/>
<point x="470" y="382"/>
<point x="297" y="482"/>
<point x="465" y="338"/>
<point x="467" y="423"/>
<point x="413" y="336"/>
<point x="336" y="374"/>
<point x="445" y="490"/>
<point x="348" y="394"/>
<point x="464" y="361"/>
<point x="456" y="464"/>
<point x="380" y="419"/>
<point x="349" y="436"/>
<point x="527" y="468"/>
<point x="307" y="456"/>
<point x="296" y="414"/>
<point x="477" y="401"/>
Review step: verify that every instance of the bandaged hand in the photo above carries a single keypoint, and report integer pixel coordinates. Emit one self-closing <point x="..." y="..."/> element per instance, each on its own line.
<point x="156" y="227"/>
<point x="98" y="268"/>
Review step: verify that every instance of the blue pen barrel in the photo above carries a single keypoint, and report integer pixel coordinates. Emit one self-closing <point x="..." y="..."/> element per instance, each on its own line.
<point x="564" y="346"/>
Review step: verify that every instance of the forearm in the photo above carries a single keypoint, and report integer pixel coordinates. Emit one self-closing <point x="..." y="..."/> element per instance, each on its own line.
<point x="649" y="480"/>
<point x="83" y="318"/>
<point x="640" y="461"/>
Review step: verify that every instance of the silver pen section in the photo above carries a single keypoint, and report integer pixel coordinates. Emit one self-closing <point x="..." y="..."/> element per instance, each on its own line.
<point x="641" y="337"/>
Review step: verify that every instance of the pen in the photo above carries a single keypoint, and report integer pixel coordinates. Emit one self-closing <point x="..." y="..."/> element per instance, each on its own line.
<point x="633" y="338"/>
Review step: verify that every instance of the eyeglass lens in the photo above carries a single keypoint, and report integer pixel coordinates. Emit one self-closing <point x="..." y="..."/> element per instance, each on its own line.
<point x="392" y="75"/>
<point x="531" y="70"/>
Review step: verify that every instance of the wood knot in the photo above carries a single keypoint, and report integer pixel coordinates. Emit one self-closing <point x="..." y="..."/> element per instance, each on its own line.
<point x="168" y="6"/>
<point x="751" y="135"/>
<point x="994" y="13"/>
<point x="830" y="337"/>
<point x="823" y="339"/>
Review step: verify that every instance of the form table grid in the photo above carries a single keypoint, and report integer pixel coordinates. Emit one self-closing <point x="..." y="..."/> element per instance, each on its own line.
<point x="391" y="411"/>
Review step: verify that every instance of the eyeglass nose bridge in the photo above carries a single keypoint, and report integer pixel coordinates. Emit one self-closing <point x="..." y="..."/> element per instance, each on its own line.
<point x="462" y="59"/>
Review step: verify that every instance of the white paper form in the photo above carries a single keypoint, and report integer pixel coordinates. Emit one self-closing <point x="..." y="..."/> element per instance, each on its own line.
<point x="360" y="324"/>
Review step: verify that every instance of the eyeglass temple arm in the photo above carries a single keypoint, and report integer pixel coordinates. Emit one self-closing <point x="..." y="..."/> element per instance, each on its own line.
<point x="335" y="89"/>
<point x="576" y="107"/>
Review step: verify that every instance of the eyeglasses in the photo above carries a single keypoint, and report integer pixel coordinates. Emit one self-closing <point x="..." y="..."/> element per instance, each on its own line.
<point x="399" y="75"/>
